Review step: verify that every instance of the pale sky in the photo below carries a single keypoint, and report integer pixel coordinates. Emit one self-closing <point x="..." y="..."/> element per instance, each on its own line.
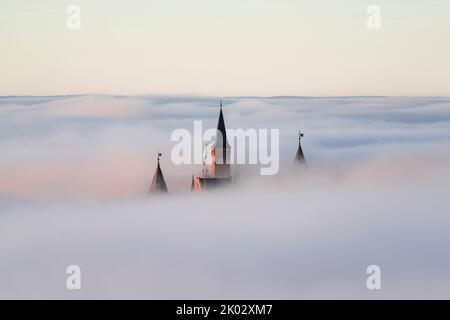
<point x="223" y="48"/>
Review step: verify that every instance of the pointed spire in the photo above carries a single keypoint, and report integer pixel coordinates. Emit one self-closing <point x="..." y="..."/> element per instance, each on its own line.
<point x="299" y="156"/>
<point x="221" y="149"/>
<point x="221" y="128"/>
<point x="158" y="184"/>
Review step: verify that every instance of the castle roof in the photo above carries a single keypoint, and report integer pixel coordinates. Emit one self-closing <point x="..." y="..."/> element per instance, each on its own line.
<point x="158" y="184"/>
<point x="299" y="156"/>
<point x="223" y="143"/>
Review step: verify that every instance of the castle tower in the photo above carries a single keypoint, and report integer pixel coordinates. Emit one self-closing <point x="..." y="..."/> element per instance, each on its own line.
<point x="158" y="184"/>
<point x="219" y="173"/>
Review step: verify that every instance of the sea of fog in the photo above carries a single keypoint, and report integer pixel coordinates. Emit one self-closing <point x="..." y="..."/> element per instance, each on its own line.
<point x="75" y="170"/>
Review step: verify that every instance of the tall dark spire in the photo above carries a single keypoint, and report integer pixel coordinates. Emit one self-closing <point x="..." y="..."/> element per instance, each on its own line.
<point x="158" y="184"/>
<point x="299" y="156"/>
<point x="221" y="150"/>
<point x="221" y="128"/>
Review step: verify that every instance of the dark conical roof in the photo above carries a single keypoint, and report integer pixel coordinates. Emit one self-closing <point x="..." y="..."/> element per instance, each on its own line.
<point x="158" y="184"/>
<point x="299" y="156"/>
<point x="221" y="129"/>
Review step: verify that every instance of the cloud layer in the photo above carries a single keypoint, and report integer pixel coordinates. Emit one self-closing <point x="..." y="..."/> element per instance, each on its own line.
<point x="75" y="170"/>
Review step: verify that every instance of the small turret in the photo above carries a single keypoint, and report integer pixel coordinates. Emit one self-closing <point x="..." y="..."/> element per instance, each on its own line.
<point x="158" y="184"/>
<point x="299" y="156"/>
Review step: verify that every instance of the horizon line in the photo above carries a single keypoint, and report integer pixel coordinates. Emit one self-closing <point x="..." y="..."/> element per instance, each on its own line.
<point x="188" y="95"/>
